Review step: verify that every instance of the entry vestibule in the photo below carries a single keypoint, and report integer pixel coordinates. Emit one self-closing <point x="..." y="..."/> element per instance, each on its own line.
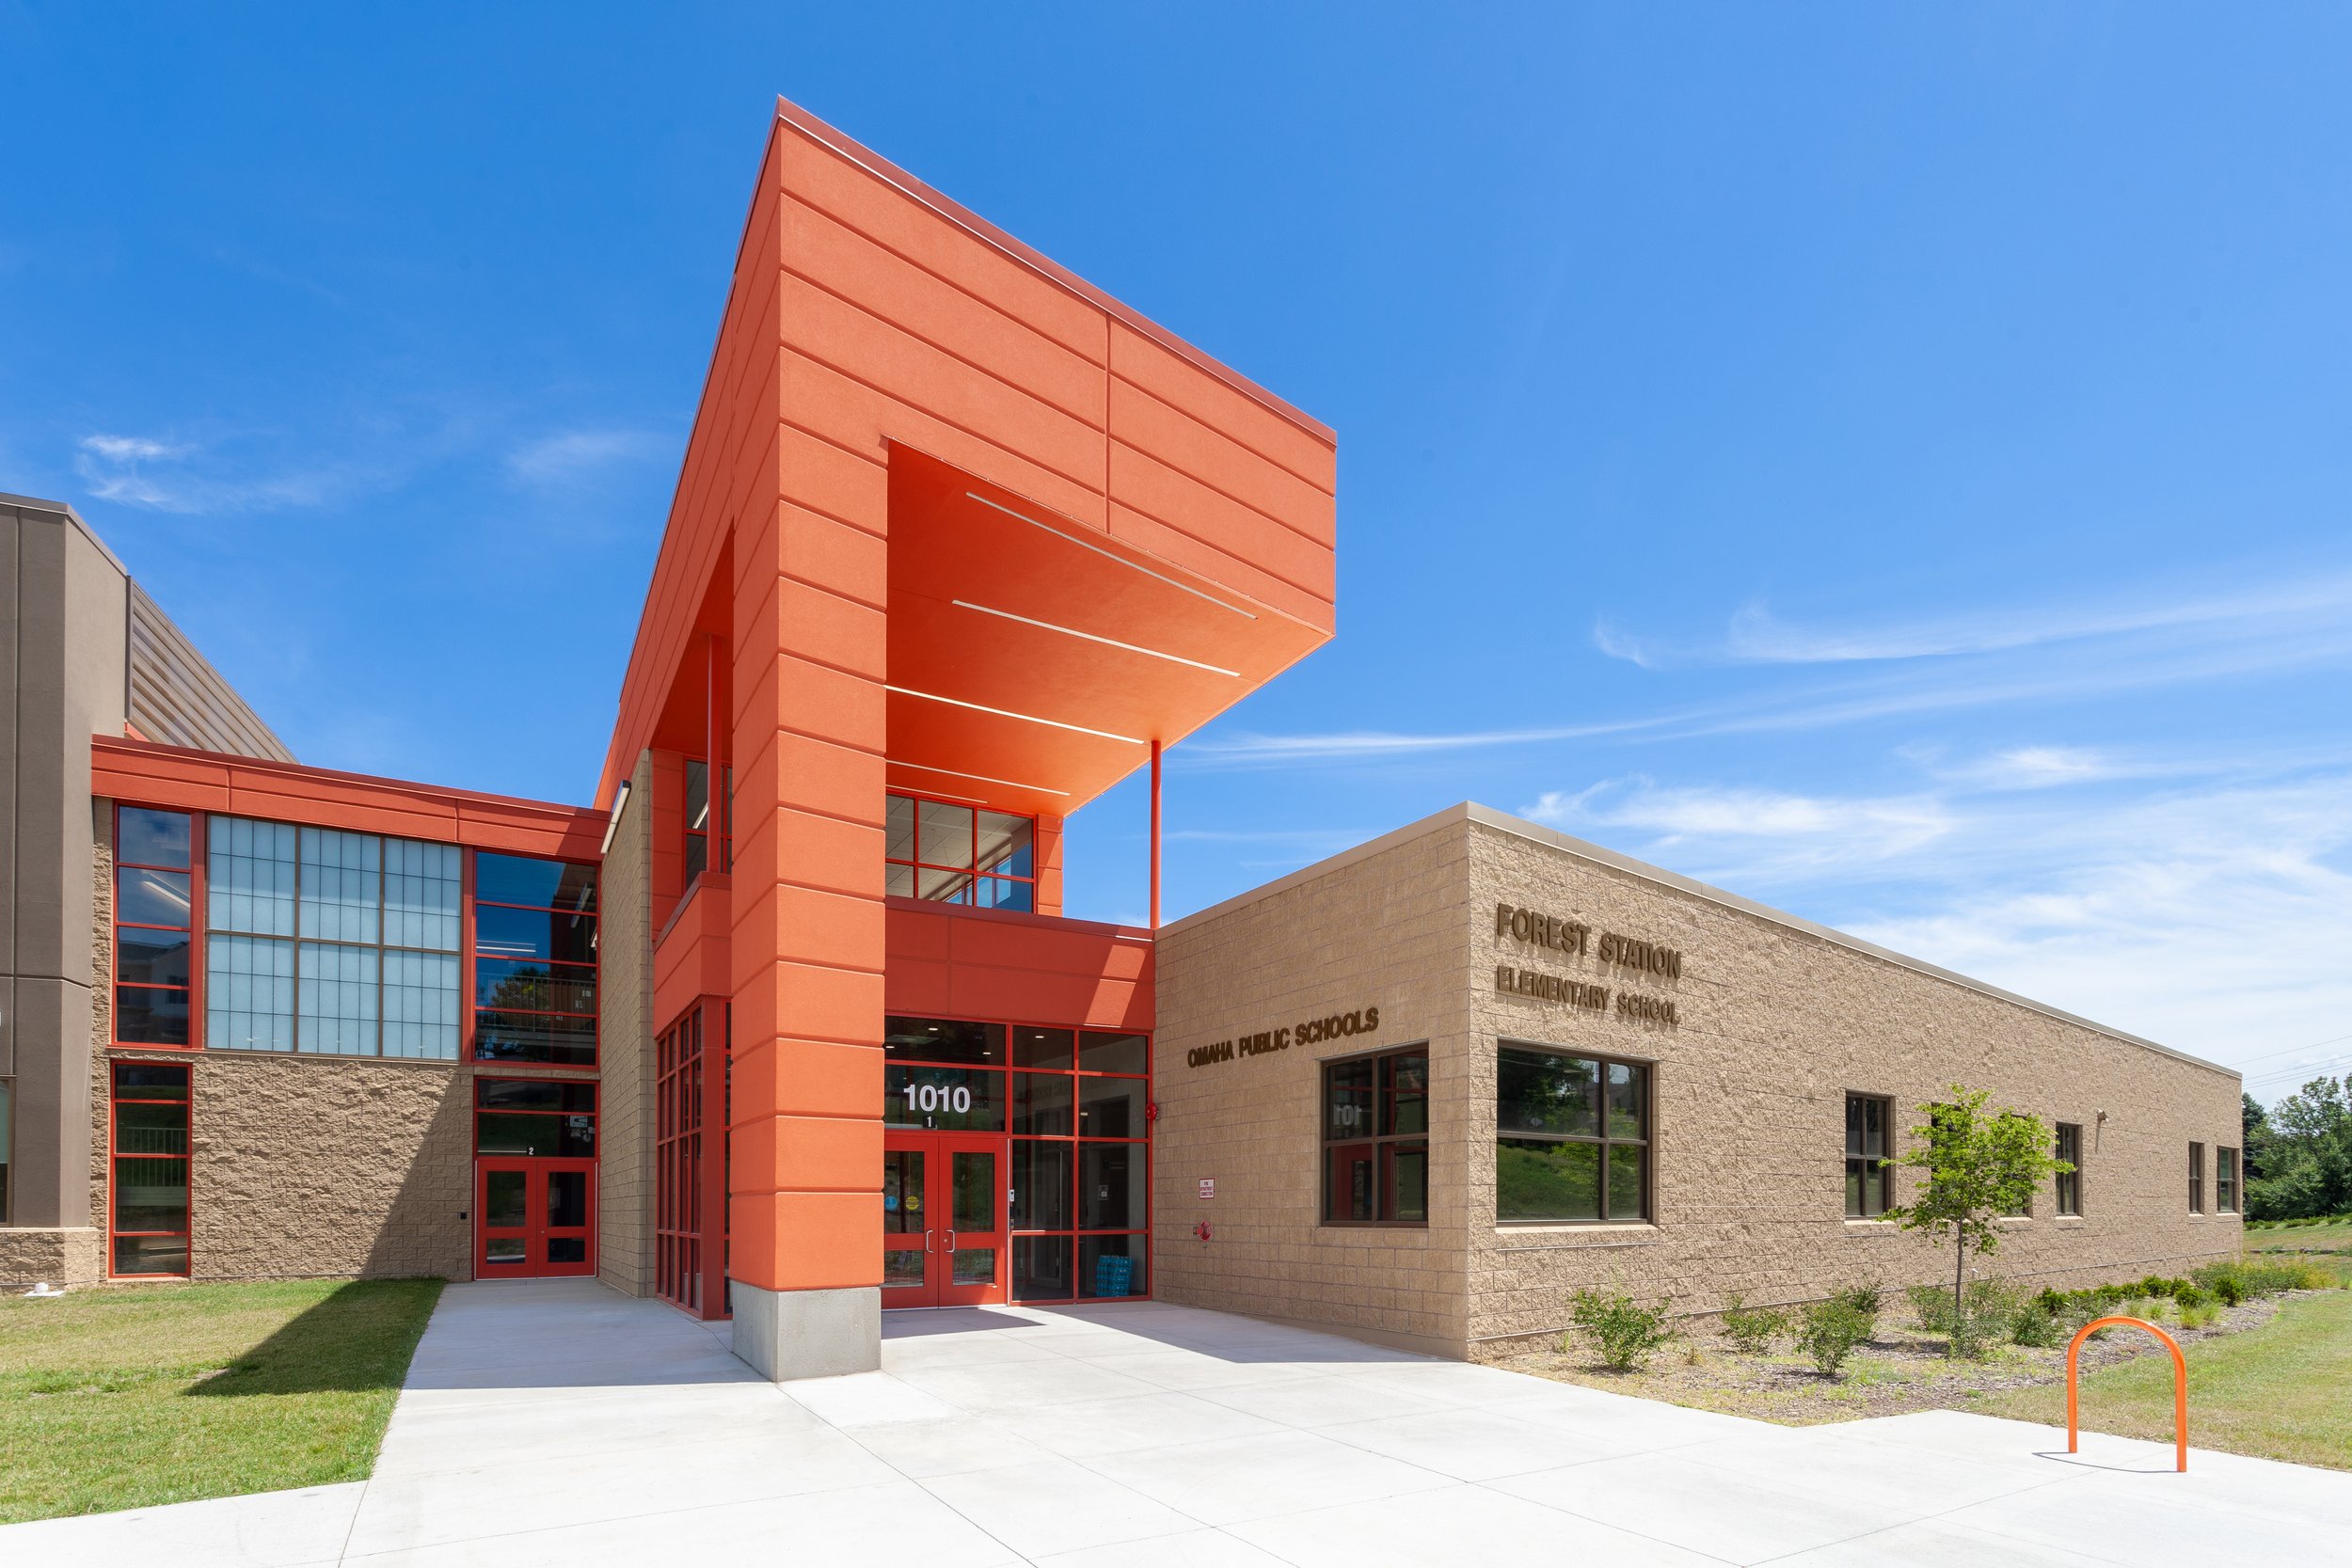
<point x="1016" y="1165"/>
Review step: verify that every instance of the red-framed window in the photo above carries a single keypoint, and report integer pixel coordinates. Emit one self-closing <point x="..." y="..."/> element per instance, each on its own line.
<point x="677" y="1210"/>
<point x="157" y="861"/>
<point x="534" y="961"/>
<point x="690" y="1147"/>
<point x="954" y="852"/>
<point x="148" y="1170"/>
<point x="1076" y="1107"/>
<point x="708" y="824"/>
<point x="535" y="1119"/>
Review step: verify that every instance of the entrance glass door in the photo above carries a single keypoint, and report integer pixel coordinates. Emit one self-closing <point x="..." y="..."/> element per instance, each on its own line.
<point x="535" y="1218"/>
<point x="944" y="1239"/>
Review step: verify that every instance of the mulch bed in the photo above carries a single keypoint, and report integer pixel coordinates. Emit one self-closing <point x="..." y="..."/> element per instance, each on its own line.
<point x="1902" y="1370"/>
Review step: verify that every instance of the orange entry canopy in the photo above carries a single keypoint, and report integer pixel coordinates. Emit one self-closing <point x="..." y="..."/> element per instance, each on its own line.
<point x="1034" y="659"/>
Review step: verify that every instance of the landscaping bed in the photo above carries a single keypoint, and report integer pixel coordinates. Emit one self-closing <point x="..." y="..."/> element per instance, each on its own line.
<point x="1902" y="1368"/>
<point x="2268" y="1342"/>
<point x="127" y="1397"/>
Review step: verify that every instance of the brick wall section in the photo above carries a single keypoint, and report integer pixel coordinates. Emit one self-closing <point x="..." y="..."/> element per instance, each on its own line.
<point x="1383" y="933"/>
<point x="1776" y="1024"/>
<point x="625" y="1174"/>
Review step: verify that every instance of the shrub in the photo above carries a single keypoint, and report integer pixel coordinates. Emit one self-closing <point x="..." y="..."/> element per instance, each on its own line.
<point x="1752" y="1329"/>
<point x="1831" y="1331"/>
<point x="1868" y="1300"/>
<point x="2036" y="1327"/>
<point x="1932" y="1306"/>
<point x="1625" y="1334"/>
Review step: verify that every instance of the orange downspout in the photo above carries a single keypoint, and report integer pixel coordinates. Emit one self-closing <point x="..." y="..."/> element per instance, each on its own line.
<point x="2180" y="1383"/>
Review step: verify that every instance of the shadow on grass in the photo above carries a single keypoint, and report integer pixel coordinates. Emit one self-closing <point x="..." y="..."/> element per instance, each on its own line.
<point x="358" y="1339"/>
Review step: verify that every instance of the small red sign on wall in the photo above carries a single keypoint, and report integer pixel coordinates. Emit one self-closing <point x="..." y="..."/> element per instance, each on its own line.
<point x="1208" y="1187"/>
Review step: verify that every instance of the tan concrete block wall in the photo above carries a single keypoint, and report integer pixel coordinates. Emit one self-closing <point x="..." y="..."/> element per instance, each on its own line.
<point x="31" y="1256"/>
<point x="308" y="1165"/>
<point x="625" y="1045"/>
<point x="1386" y="933"/>
<point x="1775" y="1026"/>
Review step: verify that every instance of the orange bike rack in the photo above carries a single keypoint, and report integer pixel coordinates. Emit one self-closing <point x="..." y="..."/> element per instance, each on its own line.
<point x="2180" y="1381"/>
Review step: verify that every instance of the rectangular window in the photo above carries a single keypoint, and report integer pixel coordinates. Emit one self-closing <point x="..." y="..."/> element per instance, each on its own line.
<point x="1376" y="1139"/>
<point x="2224" y="1180"/>
<point x="534" y="1119"/>
<point x="535" y="936"/>
<point x="2070" y="1182"/>
<point x="147" y="1206"/>
<point x="1571" y="1137"/>
<point x="330" y="942"/>
<point x="7" y="1125"/>
<point x="2197" y="1178"/>
<point x="1869" y="1172"/>
<point x="702" y="830"/>
<point x="154" y="926"/>
<point x="952" y="853"/>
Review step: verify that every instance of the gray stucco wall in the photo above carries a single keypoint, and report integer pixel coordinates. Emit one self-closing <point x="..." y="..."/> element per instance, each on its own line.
<point x="82" y="651"/>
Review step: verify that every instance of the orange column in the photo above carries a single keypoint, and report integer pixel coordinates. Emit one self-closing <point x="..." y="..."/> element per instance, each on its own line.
<point x="810" y="561"/>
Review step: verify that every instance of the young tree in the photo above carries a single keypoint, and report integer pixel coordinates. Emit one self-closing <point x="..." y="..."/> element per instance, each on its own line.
<point x="2256" y="1136"/>
<point x="2305" y="1156"/>
<point x="1979" y="1166"/>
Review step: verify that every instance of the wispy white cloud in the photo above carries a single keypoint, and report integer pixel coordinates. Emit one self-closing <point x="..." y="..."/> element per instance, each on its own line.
<point x="131" y="448"/>
<point x="184" y="476"/>
<point x="2264" y="635"/>
<point x="1755" y="634"/>
<point x="1791" y="829"/>
<point x="576" y="456"/>
<point x="1618" y="643"/>
<point x="2212" y="916"/>
<point x="1349" y="745"/>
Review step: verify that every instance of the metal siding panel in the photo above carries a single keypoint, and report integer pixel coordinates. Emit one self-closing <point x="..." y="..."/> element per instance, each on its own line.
<point x="178" y="699"/>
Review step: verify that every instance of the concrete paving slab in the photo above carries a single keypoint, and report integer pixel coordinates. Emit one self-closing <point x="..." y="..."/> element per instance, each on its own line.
<point x="1454" y="1527"/>
<point x="1154" y="1420"/>
<point x="1255" y="1478"/>
<point x="1204" y="1548"/>
<point x="1055" y="1506"/>
<point x="560" y="1424"/>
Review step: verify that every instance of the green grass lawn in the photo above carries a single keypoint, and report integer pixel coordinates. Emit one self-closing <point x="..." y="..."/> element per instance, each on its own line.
<point x="160" y="1394"/>
<point x="2277" y="1391"/>
<point x="2329" y="1244"/>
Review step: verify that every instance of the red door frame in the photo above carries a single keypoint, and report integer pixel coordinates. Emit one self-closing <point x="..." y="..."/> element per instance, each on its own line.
<point x="536" y="1229"/>
<point x="938" y="1242"/>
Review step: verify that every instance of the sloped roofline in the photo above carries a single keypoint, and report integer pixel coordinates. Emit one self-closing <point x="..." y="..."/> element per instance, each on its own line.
<point x="1486" y="816"/>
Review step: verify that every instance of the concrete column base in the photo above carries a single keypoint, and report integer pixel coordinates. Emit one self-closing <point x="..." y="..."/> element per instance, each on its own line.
<point x="785" y="1335"/>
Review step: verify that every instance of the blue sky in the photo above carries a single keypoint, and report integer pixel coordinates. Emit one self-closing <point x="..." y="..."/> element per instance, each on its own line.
<point x="1888" y="460"/>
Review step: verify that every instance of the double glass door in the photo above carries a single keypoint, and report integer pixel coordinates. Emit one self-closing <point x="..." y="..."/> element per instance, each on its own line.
<point x="535" y="1218"/>
<point x="943" y="1241"/>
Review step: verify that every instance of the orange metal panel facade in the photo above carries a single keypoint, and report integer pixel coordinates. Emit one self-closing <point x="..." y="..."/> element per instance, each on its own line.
<point x="964" y="527"/>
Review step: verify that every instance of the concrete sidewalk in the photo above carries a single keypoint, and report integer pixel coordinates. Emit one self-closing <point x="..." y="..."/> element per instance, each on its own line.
<point x="559" y="1424"/>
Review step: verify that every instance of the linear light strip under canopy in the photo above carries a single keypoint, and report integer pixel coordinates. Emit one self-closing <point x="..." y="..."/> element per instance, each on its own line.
<point x="1107" y="641"/>
<point x="960" y="773"/>
<point x="1008" y="713"/>
<point x="1109" y="555"/>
